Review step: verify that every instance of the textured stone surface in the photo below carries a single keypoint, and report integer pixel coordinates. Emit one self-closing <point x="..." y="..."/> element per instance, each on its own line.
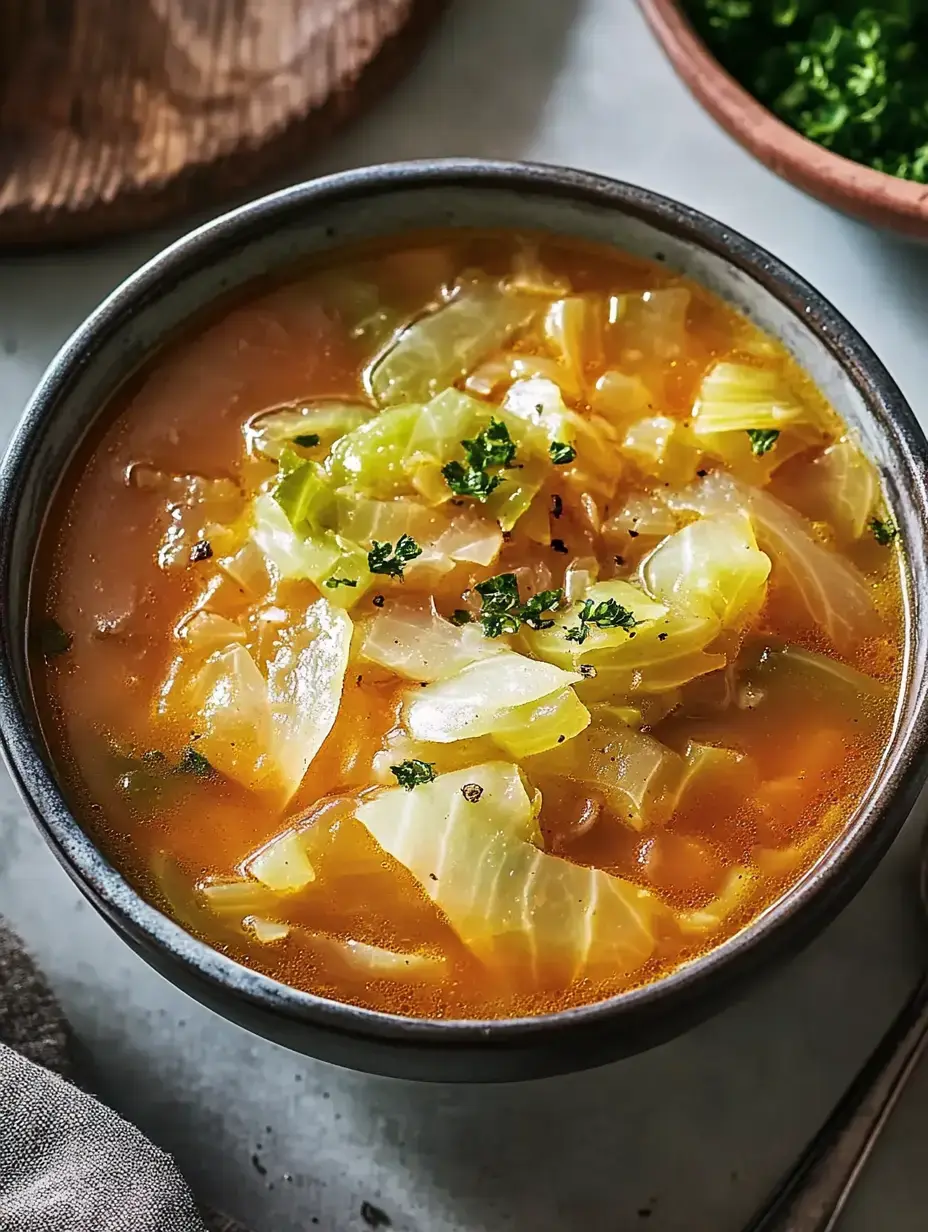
<point x="693" y="1132"/>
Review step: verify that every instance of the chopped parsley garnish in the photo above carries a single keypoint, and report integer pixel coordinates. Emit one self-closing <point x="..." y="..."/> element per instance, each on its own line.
<point x="561" y="453"/>
<point x="308" y="440"/>
<point x="382" y="558"/>
<point x="503" y="610"/>
<point x="334" y="582"/>
<point x="413" y="773"/>
<point x="608" y="614"/>
<point x="461" y="616"/>
<point x="192" y="762"/>
<point x="491" y="447"/>
<point x="762" y="440"/>
<point x="884" y="532"/>
<point x="52" y="639"/>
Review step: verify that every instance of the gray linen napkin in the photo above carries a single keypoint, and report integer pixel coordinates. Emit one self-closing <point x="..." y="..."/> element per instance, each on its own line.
<point x="67" y="1162"/>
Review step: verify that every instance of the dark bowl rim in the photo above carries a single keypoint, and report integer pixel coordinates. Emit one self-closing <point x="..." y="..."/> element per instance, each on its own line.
<point x="838" y="875"/>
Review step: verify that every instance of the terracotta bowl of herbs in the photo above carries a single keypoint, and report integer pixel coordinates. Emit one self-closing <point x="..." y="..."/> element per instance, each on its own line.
<point x="829" y="94"/>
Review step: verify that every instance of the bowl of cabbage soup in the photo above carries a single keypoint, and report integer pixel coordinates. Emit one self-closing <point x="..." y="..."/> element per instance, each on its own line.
<point x="463" y="618"/>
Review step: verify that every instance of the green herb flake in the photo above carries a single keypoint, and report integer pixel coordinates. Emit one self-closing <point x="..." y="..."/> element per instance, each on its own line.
<point x="491" y="447"/>
<point x="195" y="763"/>
<point x="382" y="558"/>
<point x="413" y="773"/>
<point x="503" y="611"/>
<point x="461" y="616"/>
<point x="561" y="453"/>
<point x="884" y="531"/>
<point x="607" y="614"/>
<point x="334" y="582"/>
<point x="308" y="440"/>
<point x="52" y="639"/>
<point x="762" y="440"/>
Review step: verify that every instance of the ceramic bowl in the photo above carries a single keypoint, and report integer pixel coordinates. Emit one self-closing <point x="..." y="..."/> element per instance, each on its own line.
<point x="267" y="236"/>
<point x="881" y="200"/>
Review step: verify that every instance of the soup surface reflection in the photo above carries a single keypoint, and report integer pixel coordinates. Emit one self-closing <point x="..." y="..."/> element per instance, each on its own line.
<point x="476" y="626"/>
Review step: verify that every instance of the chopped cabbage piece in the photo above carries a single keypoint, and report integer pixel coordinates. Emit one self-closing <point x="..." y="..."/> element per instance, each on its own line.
<point x="733" y="896"/>
<point x="711" y="566"/>
<point x="417" y="643"/>
<point x="480" y="697"/>
<point x="319" y="557"/>
<point x="265" y="733"/>
<point x="374" y="962"/>
<point x="363" y="520"/>
<point x="204" y="632"/>
<point x="554" y="645"/>
<point x="839" y="487"/>
<point x="644" y="515"/>
<point x="573" y="328"/>
<point x="620" y="398"/>
<point x="444" y="345"/>
<point x="735" y="398"/>
<point x="281" y="864"/>
<point x="270" y="432"/>
<point x="537" y="726"/>
<point x="236" y="898"/>
<point x="816" y="671"/>
<point x="266" y="931"/>
<point x="835" y="594"/>
<point x="518" y="909"/>
<point x="649" y="324"/>
<point x="638" y="776"/>
<point x="502" y="370"/>
<point x="661" y="448"/>
<point x="372" y="457"/>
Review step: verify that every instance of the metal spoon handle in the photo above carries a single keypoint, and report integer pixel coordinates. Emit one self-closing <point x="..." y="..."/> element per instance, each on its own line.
<point x="812" y="1195"/>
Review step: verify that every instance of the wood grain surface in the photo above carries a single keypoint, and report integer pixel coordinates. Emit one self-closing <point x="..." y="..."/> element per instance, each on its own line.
<point x="116" y="114"/>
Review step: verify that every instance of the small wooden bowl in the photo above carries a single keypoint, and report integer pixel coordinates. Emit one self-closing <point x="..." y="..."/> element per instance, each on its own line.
<point x="881" y="200"/>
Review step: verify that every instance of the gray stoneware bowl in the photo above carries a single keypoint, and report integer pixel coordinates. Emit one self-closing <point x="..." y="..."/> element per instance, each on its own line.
<point x="267" y="236"/>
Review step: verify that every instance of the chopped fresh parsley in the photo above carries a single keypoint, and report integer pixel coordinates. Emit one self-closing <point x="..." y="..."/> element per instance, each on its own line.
<point x="461" y="616"/>
<point x="382" y="558"/>
<point x="884" y="532"/>
<point x="503" y="610"/>
<point x="491" y="447"/>
<point x="561" y="453"/>
<point x="762" y="440"/>
<point x="334" y="582"/>
<point x="608" y="614"/>
<point x="192" y="762"/>
<point x="467" y="481"/>
<point x="308" y="440"/>
<point x="52" y="639"/>
<point x="412" y="773"/>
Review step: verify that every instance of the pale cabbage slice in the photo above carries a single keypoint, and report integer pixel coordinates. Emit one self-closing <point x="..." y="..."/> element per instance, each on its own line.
<point x="836" y="595"/>
<point x="374" y="962"/>
<point x="270" y="432"/>
<point x="517" y="908"/>
<point x="664" y="650"/>
<point x="417" y="643"/>
<point x="265" y="733"/>
<point x="320" y="557"/>
<point x="712" y="566"/>
<point x="649" y="324"/>
<point x="660" y="447"/>
<point x="639" y="777"/>
<point x="371" y="459"/>
<point x="447" y="343"/>
<point x="545" y="724"/>
<point x="282" y="864"/>
<point x="480" y="697"/>
<point x="735" y="397"/>
<point x="839" y="487"/>
<point x="573" y="328"/>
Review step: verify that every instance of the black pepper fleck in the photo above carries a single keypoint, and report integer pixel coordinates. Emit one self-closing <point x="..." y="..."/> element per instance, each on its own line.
<point x="661" y="637"/>
<point x="587" y="670"/>
<point x="619" y="560"/>
<point x="633" y="534"/>
<point x="201" y="550"/>
<point x="558" y="545"/>
<point x="561" y="739"/>
<point x="378" y="600"/>
<point x="702" y="474"/>
<point x="472" y="792"/>
<point x="557" y="506"/>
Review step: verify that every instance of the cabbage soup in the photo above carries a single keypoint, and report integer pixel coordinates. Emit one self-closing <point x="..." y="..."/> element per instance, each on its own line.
<point x="477" y="625"/>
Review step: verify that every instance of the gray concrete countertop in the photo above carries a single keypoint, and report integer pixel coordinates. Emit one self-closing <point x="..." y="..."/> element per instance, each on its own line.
<point x="688" y="1137"/>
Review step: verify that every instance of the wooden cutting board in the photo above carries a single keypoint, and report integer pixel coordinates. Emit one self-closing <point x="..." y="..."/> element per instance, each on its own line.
<point x="118" y="114"/>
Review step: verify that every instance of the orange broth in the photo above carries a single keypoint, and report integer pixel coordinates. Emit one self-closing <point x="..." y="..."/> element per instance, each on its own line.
<point x="811" y="751"/>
